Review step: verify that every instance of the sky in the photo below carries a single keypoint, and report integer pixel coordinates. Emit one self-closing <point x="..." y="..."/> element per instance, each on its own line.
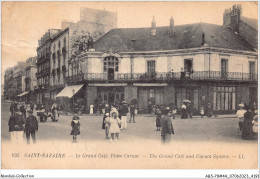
<point x="23" y="23"/>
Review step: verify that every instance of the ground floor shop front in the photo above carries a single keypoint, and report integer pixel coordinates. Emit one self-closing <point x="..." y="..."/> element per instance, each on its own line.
<point x="223" y="97"/>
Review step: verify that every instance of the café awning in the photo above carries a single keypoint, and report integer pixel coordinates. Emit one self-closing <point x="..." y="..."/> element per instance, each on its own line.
<point x="23" y="93"/>
<point x="69" y="91"/>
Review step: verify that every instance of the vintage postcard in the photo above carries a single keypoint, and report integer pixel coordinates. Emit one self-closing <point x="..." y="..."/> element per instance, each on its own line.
<point x="129" y="85"/>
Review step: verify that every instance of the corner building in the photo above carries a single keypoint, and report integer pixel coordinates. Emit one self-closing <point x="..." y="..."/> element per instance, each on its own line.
<point x="204" y="63"/>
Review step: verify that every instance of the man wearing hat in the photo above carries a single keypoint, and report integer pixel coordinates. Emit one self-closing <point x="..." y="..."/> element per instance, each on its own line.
<point x="123" y="112"/>
<point x="31" y="126"/>
<point x="166" y="126"/>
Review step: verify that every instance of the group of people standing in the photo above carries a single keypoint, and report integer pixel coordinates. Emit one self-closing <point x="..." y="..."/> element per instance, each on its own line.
<point x="248" y="121"/>
<point x="21" y="122"/>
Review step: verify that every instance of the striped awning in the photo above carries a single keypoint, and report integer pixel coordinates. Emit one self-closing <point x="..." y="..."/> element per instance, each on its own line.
<point x="69" y="91"/>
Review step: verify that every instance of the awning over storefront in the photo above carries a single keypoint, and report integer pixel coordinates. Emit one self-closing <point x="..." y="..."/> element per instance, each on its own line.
<point x="150" y="84"/>
<point x="69" y="91"/>
<point x="108" y="84"/>
<point x="23" y="93"/>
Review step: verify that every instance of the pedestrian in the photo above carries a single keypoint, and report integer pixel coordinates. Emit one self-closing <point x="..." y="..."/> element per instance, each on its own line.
<point x="123" y="113"/>
<point x="22" y="110"/>
<point x="106" y="110"/>
<point x="158" y="114"/>
<point x="55" y="112"/>
<point x="174" y="111"/>
<point x="189" y="110"/>
<point x="107" y="125"/>
<point x="247" y="131"/>
<point x="167" y="127"/>
<point x="209" y="111"/>
<point x="91" y="109"/>
<point x="184" y="114"/>
<point x="132" y="113"/>
<point x="12" y="107"/>
<point x="31" y="126"/>
<point x="114" y="129"/>
<point x="240" y="114"/>
<point x="16" y="126"/>
<point x="31" y="106"/>
<point x="255" y="122"/>
<point x="75" y="124"/>
<point x="202" y="111"/>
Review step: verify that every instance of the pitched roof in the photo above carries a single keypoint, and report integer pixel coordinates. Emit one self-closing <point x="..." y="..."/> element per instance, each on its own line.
<point x="251" y="22"/>
<point x="186" y="36"/>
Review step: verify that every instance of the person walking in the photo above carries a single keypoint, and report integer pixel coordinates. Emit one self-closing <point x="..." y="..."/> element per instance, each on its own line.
<point x="31" y="126"/>
<point x="158" y="114"/>
<point x="106" y="110"/>
<point x="167" y="127"/>
<point x="132" y="113"/>
<point x="55" y="112"/>
<point x="75" y="124"/>
<point x="247" y="131"/>
<point x="184" y="114"/>
<point x="240" y="114"/>
<point x="16" y="126"/>
<point x="189" y="110"/>
<point x="107" y="125"/>
<point x="123" y="113"/>
<point x="114" y="129"/>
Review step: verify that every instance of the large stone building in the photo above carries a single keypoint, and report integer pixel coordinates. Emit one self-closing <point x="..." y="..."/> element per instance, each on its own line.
<point x="8" y="83"/>
<point x="19" y="80"/>
<point x="30" y="79"/>
<point x="43" y="65"/>
<point x="204" y="63"/>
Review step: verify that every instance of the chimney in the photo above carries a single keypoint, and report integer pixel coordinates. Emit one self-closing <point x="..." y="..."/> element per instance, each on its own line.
<point x="231" y="17"/>
<point x="171" y="27"/>
<point x="153" y="28"/>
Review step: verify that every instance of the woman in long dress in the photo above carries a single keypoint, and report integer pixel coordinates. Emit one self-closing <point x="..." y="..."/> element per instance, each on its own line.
<point x="91" y="109"/>
<point x="247" y="132"/>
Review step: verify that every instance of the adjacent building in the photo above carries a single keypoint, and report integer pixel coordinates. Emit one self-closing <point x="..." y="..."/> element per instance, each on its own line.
<point x="30" y="79"/>
<point x="19" y="80"/>
<point x="8" y="84"/>
<point x="204" y="63"/>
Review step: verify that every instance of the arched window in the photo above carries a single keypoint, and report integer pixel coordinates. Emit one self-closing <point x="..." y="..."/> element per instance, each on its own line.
<point x="110" y="62"/>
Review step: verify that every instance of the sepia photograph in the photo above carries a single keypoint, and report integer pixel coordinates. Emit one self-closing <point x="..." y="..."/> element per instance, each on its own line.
<point x="129" y="85"/>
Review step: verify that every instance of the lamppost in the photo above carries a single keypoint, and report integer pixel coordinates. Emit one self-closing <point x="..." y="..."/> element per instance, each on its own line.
<point x="73" y="92"/>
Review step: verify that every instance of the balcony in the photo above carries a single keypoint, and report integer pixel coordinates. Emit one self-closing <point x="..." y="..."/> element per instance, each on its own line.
<point x="164" y="77"/>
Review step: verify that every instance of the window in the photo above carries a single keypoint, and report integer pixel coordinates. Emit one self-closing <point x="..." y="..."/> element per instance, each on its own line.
<point x="224" y="68"/>
<point x="59" y="44"/>
<point x="151" y="93"/>
<point x="64" y="41"/>
<point x="150" y="68"/>
<point x="252" y="70"/>
<point x="224" y="98"/>
<point x="111" y="62"/>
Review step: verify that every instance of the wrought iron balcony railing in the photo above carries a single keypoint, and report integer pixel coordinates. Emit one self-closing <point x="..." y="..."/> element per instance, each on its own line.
<point x="167" y="76"/>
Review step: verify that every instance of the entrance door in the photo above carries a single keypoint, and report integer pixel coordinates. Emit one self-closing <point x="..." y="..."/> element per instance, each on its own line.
<point x="111" y="98"/>
<point x="110" y="74"/>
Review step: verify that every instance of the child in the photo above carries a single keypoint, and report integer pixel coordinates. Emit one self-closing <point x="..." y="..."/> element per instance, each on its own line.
<point x="114" y="129"/>
<point x="75" y="124"/>
<point x="107" y="124"/>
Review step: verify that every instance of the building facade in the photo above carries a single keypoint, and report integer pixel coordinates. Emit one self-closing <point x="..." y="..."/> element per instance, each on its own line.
<point x="204" y="63"/>
<point x="30" y="79"/>
<point x="8" y="84"/>
<point x="19" y="80"/>
<point x="43" y="66"/>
